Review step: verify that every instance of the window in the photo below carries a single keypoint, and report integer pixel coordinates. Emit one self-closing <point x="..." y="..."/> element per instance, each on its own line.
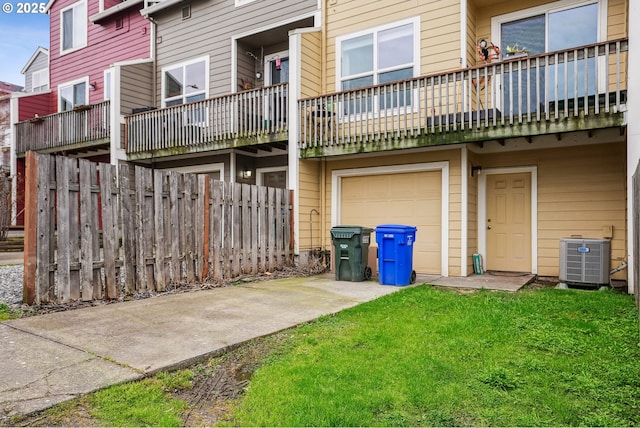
<point x="107" y="84"/>
<point x="545" y="29"/>
<point x="40" y="80"/>
<point x="73" y="27"/>
<point x="73" y="94"/>
<point x="379" y="56"/>
<point x="185" y="82"/>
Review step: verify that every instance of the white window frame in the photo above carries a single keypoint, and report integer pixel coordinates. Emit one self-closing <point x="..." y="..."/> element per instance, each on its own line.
<point x="43" y="75"/>
<point x="108" y="84"/>
<point x="61" y="86"/>
<point x="546" y="9"/>
<point x="416" y="64"/>
<point x="497" y="21"/>
<point x="261" y="171"/>
<point x="78" y="21"/>
<point x="183" y="65"/>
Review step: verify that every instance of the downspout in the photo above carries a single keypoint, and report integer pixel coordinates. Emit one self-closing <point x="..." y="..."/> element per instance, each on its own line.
<point x="323" y="162"/>
<point x="154" y="62"/>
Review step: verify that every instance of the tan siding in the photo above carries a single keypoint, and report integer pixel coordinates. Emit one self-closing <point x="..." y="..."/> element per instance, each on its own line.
<point x="136" y="87"/>
<point x="309" y="200"/>
<point x="616" y="11"/>
<point x="452" y="156"/>
<point x="311" y="64"/>
<point x="472" y="213"/>
<point x="439" y="23"/>
<point x="580" y="190"/>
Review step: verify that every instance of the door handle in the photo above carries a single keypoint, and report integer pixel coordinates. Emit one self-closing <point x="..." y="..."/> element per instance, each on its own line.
<point x="489" y="227"/>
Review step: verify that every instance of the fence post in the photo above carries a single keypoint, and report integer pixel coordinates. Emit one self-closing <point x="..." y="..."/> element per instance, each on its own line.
<point x="206" y="216"/>
<point x="30" y="229"/>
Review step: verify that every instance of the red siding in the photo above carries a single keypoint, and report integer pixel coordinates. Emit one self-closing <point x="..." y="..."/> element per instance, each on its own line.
<point x="31" y="105"/>
<point x="105" y="46"/>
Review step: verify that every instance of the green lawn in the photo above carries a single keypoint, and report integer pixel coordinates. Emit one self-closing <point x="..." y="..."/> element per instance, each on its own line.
<point x="431" y="357"/>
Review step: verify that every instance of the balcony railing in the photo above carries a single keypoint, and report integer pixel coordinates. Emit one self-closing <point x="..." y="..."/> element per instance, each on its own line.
<point x="243" y="118"/>
<point x="81" y="127"/>
<point x="496" y="100"/>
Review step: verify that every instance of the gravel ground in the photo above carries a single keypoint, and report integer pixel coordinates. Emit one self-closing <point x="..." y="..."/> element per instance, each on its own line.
<point x="11" y="285"/>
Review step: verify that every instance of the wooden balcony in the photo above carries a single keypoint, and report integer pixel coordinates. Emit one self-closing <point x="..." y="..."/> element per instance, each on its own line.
<point x="576" y="89"/>
<point x="241" y="120"/>
<point x="83" y="128"/>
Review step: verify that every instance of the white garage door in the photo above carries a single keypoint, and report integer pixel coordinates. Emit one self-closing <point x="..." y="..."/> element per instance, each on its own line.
<point x="412" y="199"/>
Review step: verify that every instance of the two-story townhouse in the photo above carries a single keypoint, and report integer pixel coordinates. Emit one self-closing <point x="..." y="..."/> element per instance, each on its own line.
<point x="221" y="89"/>
<point x="497" y="128"/>
<point x="96" y="46"/>
<point x="36" y="71"/>
<point x="6" y="89"/>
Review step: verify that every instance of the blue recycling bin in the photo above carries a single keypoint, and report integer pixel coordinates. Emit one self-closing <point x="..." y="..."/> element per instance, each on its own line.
<point x="395" y="254"/>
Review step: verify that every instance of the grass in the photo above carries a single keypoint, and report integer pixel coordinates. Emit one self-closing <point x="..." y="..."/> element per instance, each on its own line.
<point x="427" y="357"/>
<point x="430" y="357"/>
<point x="6" y="313"/>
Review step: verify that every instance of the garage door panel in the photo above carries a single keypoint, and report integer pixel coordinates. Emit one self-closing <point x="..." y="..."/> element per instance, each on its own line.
<point x="405" y="198"/>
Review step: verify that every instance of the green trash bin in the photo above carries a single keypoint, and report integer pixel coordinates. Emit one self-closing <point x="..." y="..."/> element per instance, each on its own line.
<point x="351" y="245"/>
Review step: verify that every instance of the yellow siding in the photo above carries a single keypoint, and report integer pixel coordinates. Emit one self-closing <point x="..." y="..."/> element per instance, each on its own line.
<point x="452" y="156"/>
<point x="311" y="64"/>
<point x="310" y="223"/>
<point x="472" y="212"/>
<point x="580" y="190"/>
<point x="439" y="24"/>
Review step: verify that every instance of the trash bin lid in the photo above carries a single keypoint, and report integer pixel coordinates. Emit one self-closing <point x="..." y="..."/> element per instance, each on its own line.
<point x="348" y="231"/>
<point x="395" y="228"/>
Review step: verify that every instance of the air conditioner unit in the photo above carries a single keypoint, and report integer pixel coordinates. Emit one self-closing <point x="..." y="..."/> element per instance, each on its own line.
<point x="585" y="261"/>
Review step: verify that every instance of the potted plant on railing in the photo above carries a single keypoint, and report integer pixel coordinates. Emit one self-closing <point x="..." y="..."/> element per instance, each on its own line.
<point x="516" y="51"/>
<point x="36" y="119"/>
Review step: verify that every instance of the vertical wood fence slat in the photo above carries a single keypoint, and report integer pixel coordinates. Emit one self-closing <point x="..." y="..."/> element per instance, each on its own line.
<point x="226" y="231"/>
<point x="254" y="229"/>
<point x="127" y="216"/>
<point x="264" y="230"/>
<point x="45" y="234"/>
<point x="95" y="231"/>
<point x="176" y="266"/>
<point x="159" y="223"/>
<point x="74" y="228"/>
<point x="246" y="228"/>
<point x="109" y="236"/>
<point x="187" y="230"/>
<point x="237" y="222"/>
<point x="86" y="237"/>
<point x="271" y="222"/>
<point x="217" y="234"/>
<point x="199" y="229"/>
<point x="63" y="219"/>
<point x="158" y="228"/>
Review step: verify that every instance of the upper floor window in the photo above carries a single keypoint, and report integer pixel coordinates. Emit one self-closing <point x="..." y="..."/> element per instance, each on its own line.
<point x="185" y="82"/>
<point x="73" y="94"/>
<point x="108" y="74"/>
<point x="73" y="27"/>
<point x="380" y="55"/>
<point x="40" y="80"/>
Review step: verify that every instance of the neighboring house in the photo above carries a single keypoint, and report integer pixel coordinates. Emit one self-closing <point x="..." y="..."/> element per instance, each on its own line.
<point x="221" y="91"/>
<point x="416" y="121"/>
<point x="36" y="71"/>
<point x="92" y="43"/>
<point x="6" y="89"/>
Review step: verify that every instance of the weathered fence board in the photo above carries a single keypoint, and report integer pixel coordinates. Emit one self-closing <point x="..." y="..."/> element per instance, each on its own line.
<point x="97" y="232"/>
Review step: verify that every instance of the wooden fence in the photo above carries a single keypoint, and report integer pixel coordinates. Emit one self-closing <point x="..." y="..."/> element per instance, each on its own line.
<point x="94" y="232"/>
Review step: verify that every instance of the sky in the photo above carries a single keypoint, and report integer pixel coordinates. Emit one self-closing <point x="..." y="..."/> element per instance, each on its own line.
<point x="20" y="36"/>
